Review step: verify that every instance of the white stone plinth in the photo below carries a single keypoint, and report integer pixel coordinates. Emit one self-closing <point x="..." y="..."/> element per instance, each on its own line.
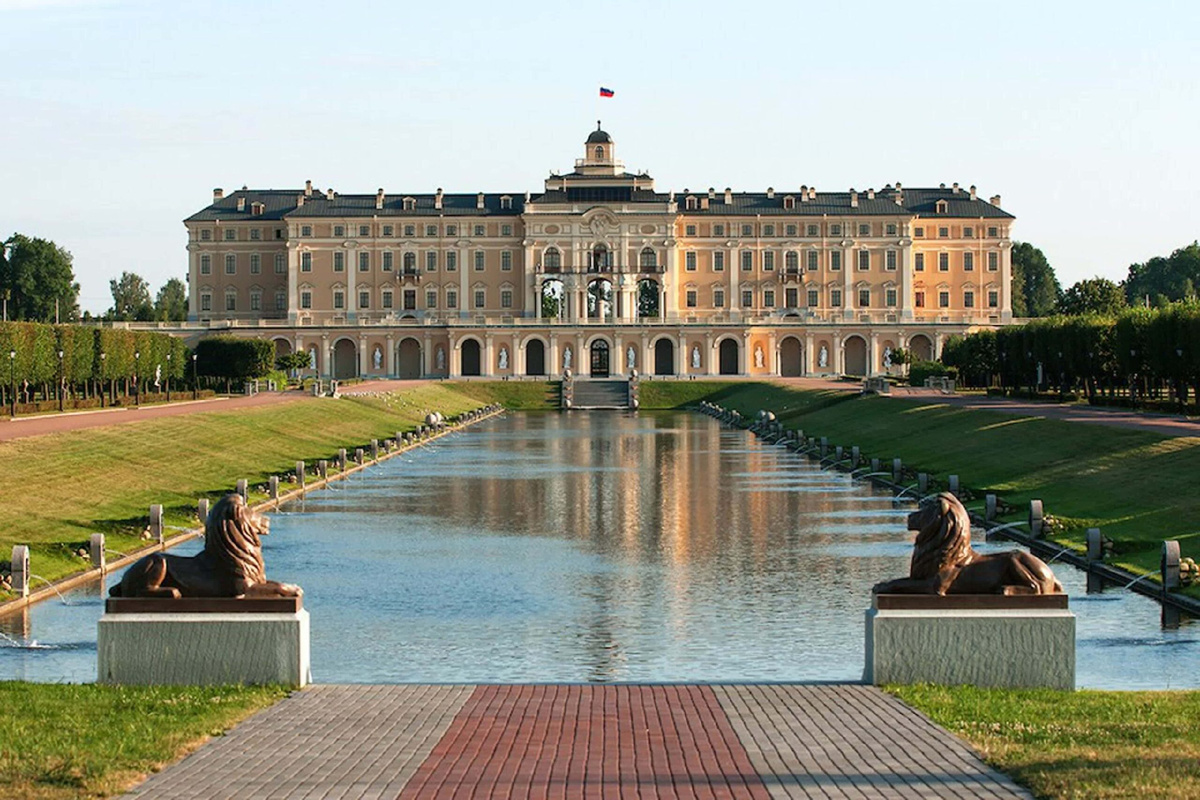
<point x="1010" y="648"/>
<point x="200" y="648"/>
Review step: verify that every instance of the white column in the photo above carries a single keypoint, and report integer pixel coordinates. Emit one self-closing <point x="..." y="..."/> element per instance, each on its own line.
<point x="391" y="357"/>
<point x="455" y="364"/>
<point x="618" y="367"/>
<point x="351" y="282"/>
<point x="489" y="357"/>
<point x="517" y="361"/>
<point x="744" y="354"/>
<point x="427" y="362"/>
<point x="710" y="362"/>
<point x="668" y="286"/>
<point x="772" y="354"/>
<point x="533" y="305"/>
<point x="326" y="366"/>
<point x="466" y="303"/>
<point x="906" y="280"/>
<point x="364" y="357"/>
<point x="193" y="283"/>
<point x="682" y="360"/>
<point x="554" y="367"/>
<point x="293" y="283"/>
<point x="735" y="269"/>
<point x="810" y="362"/>
<point x="1006" y="313"/>
<point x="872" y="354"/>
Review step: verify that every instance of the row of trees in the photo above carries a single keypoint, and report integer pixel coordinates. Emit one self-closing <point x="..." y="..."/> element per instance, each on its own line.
<point x="1154" y="284"/>
<point x="1144" y="353"/>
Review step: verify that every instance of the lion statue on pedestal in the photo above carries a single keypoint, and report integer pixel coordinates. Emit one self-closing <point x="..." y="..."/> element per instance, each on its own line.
<point x="944" y="563"/>
<point x="231" y="564"/>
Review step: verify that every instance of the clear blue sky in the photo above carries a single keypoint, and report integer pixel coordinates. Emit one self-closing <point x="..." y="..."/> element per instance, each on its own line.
<point x="119" y="117"/>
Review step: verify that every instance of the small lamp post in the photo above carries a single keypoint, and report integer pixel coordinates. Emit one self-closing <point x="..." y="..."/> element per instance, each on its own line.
<point x="103" y="388"/>
<point x="62" y="380"/>
<point x="168" y="377"/>
<point x="12" y="383"/>
<point x="137" y="383"/>
<point x="195" y="380"/>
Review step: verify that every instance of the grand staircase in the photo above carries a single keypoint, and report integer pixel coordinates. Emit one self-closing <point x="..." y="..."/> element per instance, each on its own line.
<point x="598" y="394"/>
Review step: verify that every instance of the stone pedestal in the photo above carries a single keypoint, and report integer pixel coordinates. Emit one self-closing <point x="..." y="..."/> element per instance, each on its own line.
<point x="980" y="640"/>
<point x="204" y="642"/>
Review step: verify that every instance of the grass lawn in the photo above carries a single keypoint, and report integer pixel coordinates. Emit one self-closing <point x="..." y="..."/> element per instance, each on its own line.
<point x="61" y="488"/>
<point x="1141" y="745"/>
<point x="71" y="741"/>
<point x="513" y="395"/>
<point x="1137" y="487"/>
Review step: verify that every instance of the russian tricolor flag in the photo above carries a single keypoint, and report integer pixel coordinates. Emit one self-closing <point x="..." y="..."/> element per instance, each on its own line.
<point x="606" y="92"/>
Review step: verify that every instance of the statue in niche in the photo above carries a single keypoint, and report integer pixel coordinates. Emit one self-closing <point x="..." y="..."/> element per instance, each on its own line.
<point x="758" y="356"/>
<point x="503" y="358"/>
<point x="630" y="358"/>
<point x="231" y="564"/>
<point x="887" y="358"/>
<point x="377" y="358"/>
<point x="944" y="563"/>
<point x="695" y="357"/>
<point x="567" y="357"/>
<point x="823" y="357"/>
<point x="312" y="358"/>
<point x="440" y="357"/>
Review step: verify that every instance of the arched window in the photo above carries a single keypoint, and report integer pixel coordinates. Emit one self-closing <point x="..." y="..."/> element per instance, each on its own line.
<point x="410" y="262"/>
<point x="601" y="259"/>
<point x="791" y="261"/>
<point x="648" y="258"/>
<point x="599" y="153"/>
<point x="552" y="261"/>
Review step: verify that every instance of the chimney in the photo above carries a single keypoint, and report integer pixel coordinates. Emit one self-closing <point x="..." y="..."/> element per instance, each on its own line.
<point x="899" y="194"/>
<point x="712" y="193"/>
<point x="329" y="194"/>
<point x="479" y="200"/>
<point x="728" y="196"/>
<point x="812" y="193"/>
<point x="308" y="188"/>
<point x="871" y="194"/>
<point x="803" y="194"/>
<point x="956" y="187"/>
<point x="241" y="204"/>
<point x="299" y="201"/>
<point x="770" y="192"/>
<point x="437" y="198"/>
<point x="379" y="199"/>
<point x="671" y="197"/>
<point x="941" y="186"/>
<point x="853" y="198"/>
<point x="218" y="193"/>
<point x="995" y="200"/>
<point x="527" y="197"/>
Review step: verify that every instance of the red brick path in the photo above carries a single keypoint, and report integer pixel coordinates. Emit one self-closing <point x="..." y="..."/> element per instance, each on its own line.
<point x="589" y="742"/>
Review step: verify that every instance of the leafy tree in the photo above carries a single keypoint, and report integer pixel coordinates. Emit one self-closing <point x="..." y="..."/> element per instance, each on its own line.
<point x="1092" y="296"/>
<point x="1035" y="287"/>
<point x="234" y="359"/>
<point x="1164" y="280"/>
<point x="647" y="299"/>
<point x="131" y="298"/>
<point x="296" y="361"/>
<point x="171" y="304"/>
<point x="36" y="275"/>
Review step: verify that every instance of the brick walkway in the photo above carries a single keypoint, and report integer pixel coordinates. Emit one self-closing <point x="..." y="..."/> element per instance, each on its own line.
<point x="583" y="741"/>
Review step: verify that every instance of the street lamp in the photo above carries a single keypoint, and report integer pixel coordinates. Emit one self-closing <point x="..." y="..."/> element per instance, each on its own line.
<point x="168" y="377"/>
<point x="137" y="383"/>
<point x="12" y="383"/>
<point x="195" y="380"/>
<point x="62" y="380"/>
<point x="103" y="389"/>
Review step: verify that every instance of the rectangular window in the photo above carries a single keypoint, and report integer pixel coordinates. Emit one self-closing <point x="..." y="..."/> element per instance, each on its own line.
<point x="919" y="299"/>
<point x="306" y="262"/>
<point x="813" y="298"/>
<point x="364" y="261"/>
<point x="281" y="301"/>
<point x="431" y="261"/>
<point x="968" y="232"/>
<point x="410" y="300"/>
<point x="968" y="261"/>
<point x="230" y="235"/>
<point x="864" y="298"/>
<point x="386" y="298"/>
<point x="206" y="302"/>
<point x="388" y="230"/>
<point x="747" y="261"/>
<point x="506" y="261"/>
<point x="387" y="260"/>
<point x="919" y="262"/>
<point x="769" y="261"/>
<point x="339" y="230"/>
<point x="889" y="261"/>
<point x="256" y="301"/>
<point x="230" y="264"/>
<point x="747" y="230"/>
<point x="479" y="261"/>
<point x="864" y="260"/>
<point x="451" y="298"/>
<point x="993" y="298"/>
<point x="410" y="230"/>
<point x="339" y="261"/>
<point x="689" y="260"/>
<point x="364" y="230"/>
<point x="339" y="300"/>
<point x="480" y="298"/>
<point x="747" y="298"/>
<point x="205" y="235"/>
<point x="206" y="264"/>
<point x="255" y="234"/>
<point x="993" y="232"/>
<point x="431" y="230"/>
<point x="993" y="262"/>
<point x="891" y="229"/>
<point x="918" y="232"/>
<point x="814" y="260"/>
<point x="791" y="230"/>
<point x="255" y="264"/>
<point x="812" y="230"/>
<point x="230" y="302"/>
<point x="768" y="298"/>
<point x="768" y="230"/>
<point x="968" y="299"/>
<point x="943" y="262"/>
<point x="689" y="230"/>
<point x="451" y="260"/>
<point x="835" y="229"/>
<point x="943" y="233"/>
<point x="791" y="297"/>
<point x="364" y="299"/>
<point x="718" y="261"/>
<point x="835" y="260"/>
<point x="506" y="298"/>
<point x="889" y="297"/>
<point x="306" y="230"/>
<point x="718" y="298"/>
<point x="718" y="230"/>
<point x="943" y="299"/>
<point x="280" y="264"/>
<point x="691" y="298"/>
<point x="431" y="298"/>
<point x="506" y="230"/>
<point x="479" y="230"/>
<point x="835" y="298"/>
<point x="452" y="230"/>
<point x="306" y="299"/>
<point x="864" y="229"/>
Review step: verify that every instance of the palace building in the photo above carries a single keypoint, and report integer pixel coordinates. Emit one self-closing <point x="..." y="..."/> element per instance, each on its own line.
<point x="602" y="273"/>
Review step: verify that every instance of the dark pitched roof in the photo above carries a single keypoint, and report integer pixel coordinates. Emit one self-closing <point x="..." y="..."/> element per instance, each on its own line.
<point x="279" y="204"/>
<point x="922" y="202"/>
<point x="276" y="203"/>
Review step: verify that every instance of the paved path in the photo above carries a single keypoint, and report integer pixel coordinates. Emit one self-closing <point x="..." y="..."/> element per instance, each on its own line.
<point x="584" y="741"/>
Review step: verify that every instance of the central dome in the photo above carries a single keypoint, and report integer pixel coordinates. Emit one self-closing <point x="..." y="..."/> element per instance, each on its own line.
<point x="598" y="136"/>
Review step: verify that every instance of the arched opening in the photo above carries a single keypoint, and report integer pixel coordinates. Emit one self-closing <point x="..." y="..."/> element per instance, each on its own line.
<point x="648" y="298"/>
<point x="552" y="299"/>
<point x="599" y="151"/>
<point x="408" y="359"/>
<point x="664" y="357"/>
<point x="728" y="357"/>
<point x="599" y="299"/>
<point x="552" y="260"/>
<point x="600" y="356"/>
<point x="469" y="352"/>
<point x="648" y="260"/>
<point x="921" y="347"/>
<point x="791" y="358"/>
<point x="535" y="357"/>
<point x="345" y="360"/>
<point x="854" y="356"/>
<point x="282" y="348"/>
<point x="601" y="259"/>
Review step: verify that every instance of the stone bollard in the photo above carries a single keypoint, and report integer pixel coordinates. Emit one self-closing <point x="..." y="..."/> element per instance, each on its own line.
<point x="243" y="489"/>
<point x="1095" y="555"/>
<point x="300" y="474"/>
<point x="374" y="449"/>
<point x="323" y="469"/>
<point x="273" y="487"/>
<point x="358" y="456"/>
<point x="954" y="485"/>
<point x="96" y="551"/>
<point x="897" y="469"/>
<point x="824" y="446"/>
<point x="855" y="456"/>
<point x="922" y="483"/>
<point x="1169" y="567"/>
<point x="876" y="465"/>
<point x="156" y="523"/>
<point x="989" y="508"/>
<point x="399" y="438"/>
<point x="1036" y="523"/>
<point x="20" y="570"/>
<point x="342" y="459"/>
<point x="202" y="510"/>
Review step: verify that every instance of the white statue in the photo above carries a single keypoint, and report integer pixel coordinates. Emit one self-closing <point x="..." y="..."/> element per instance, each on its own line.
<point x="440" y="355"/>
<point x="503" y="358"/>
<point x="157" y="375"/>
<point x="312" y="358"/>
<point x="823" y="357"/>
<point x="695" y="357"/>
<point x="377" y="358"/>
<point x="567" y="357"/>
<point x="758" y="356"/>
<point x="887" y="358"/>
<point x="630" y="358"/>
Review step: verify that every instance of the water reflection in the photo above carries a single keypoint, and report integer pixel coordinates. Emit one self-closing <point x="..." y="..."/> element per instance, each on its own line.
<point x="604" y="547"/>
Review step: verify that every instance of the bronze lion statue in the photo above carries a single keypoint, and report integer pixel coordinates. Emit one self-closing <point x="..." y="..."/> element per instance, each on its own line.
<point x="944" y="563"/>
<point x="231" y="564"/>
